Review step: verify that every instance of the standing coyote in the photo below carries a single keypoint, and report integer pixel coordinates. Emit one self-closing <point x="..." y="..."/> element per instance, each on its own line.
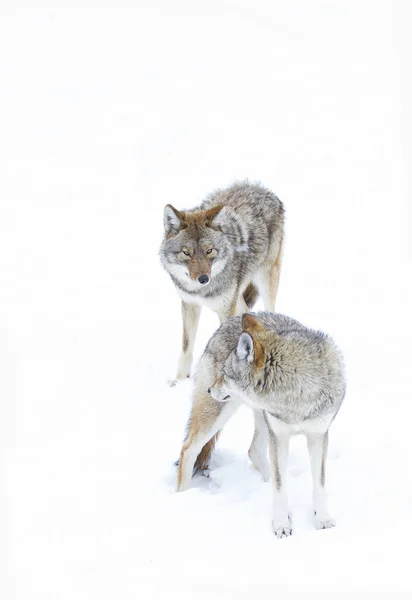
<point x="222" y="254"/>
<point x="293" y="379"/>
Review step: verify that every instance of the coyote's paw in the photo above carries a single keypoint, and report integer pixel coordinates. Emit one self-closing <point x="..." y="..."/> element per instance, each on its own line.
<point x="174" y="382"/>
<point x="184" y="367"/>
<point x="324" y="522"/>
<point x="282" y="528"/>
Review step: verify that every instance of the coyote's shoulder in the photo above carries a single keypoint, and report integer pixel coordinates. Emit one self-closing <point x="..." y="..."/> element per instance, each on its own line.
<point x="292" y="371"/>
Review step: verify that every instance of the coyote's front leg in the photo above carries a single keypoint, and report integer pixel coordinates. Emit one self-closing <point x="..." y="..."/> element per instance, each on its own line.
<point x="318" y="448"/>
<point x="190" y="321"/>
<point x="259" y="446"/>
<point x="279" y="452"/>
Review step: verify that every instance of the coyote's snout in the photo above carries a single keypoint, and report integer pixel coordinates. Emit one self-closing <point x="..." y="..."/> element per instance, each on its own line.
<point x="218" y="390"/>
<point x="199" y="267"/>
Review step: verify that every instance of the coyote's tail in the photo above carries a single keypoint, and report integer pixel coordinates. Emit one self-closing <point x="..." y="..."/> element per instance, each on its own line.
<point x="250" y="295"/>
<point x="202" y="461"/>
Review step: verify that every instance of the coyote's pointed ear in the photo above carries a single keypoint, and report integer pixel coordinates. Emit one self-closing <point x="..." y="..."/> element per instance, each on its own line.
<point x="172" y="219"/>
<point x="251" y="323"/>
<point x="248" y="348"/>
<point x="245" y="349"/>
<point x="215" y="216"/>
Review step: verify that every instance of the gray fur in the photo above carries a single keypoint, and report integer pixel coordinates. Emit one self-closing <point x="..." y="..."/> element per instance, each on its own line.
<point x="237" y="247"/>
<point x="290" y="375"/>
<point x="243" y="234"/>
<point x="302" y="376"/>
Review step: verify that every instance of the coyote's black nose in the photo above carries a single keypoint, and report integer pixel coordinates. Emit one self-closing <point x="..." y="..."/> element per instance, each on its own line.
<point x="203" y="279"/>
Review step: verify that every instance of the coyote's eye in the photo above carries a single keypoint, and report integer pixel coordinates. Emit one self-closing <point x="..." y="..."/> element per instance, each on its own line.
<point x="212" y="253"/>
<point x="186" y="253"/>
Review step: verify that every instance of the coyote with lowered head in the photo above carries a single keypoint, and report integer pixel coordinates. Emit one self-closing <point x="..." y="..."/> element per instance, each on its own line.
<point x="222" y="255"/>
<point x="293" y="379"/>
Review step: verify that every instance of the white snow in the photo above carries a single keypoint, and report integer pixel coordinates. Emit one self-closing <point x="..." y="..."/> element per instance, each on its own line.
<point x="108" y="112"/>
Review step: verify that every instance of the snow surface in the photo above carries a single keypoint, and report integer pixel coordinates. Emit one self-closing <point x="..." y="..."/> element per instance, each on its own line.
<point x="108" y="112"/>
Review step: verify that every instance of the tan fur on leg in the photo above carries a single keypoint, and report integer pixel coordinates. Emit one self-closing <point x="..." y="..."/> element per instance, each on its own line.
<point x="275" y="276"/>
<point x="206" y="420"/>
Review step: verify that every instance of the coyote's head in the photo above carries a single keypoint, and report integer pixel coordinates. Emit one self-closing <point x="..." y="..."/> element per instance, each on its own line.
<point x="195" y="248"/>
<point x="246" y="369"/>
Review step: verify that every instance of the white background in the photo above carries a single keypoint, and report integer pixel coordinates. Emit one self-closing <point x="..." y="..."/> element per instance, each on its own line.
<point x="107" y="113"/>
